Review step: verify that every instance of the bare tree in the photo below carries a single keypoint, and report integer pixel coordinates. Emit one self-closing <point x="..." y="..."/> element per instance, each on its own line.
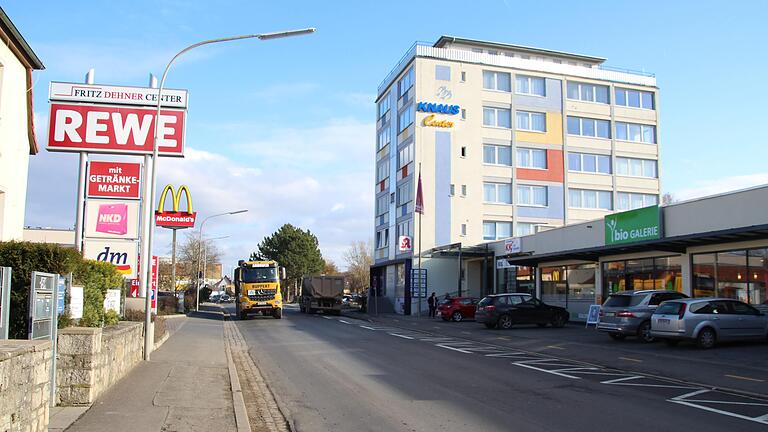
<point x="330" y="268"/>
<point x="668" y="199"/>
<point x="192" y="251"/>
<point x="359" y="258"/>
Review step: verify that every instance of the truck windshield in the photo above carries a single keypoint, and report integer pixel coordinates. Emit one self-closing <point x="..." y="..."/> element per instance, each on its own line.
<point x="258" y="274"/>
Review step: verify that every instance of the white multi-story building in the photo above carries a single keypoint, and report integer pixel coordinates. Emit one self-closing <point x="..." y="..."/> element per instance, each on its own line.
<point x="17" y="130"/>
<point x="510" y="140"/>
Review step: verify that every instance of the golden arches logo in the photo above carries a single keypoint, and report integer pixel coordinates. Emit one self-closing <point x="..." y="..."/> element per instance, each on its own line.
<point x="176" y="197"/>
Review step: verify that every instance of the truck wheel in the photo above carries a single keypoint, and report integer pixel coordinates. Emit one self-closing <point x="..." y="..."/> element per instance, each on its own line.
<point x="243" y="315"/>
<point x="278" y="313"/>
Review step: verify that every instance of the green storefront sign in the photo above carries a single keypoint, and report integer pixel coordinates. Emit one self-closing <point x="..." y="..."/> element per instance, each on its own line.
<point x="633" y="226"/>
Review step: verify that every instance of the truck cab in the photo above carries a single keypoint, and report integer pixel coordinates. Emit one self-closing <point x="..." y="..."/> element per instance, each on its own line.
<point x="257" y="288"/>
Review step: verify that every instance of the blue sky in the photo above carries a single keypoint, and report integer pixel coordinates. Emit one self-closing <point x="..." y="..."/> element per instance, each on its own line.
<point x="285" y="127"/>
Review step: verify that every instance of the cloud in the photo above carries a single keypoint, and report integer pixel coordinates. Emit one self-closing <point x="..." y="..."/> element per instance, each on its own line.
<point x="703" y="188"/>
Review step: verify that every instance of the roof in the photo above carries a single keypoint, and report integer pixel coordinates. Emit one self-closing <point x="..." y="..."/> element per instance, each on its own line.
<point x="12" y="34"/>
<point x="533" y="50"/>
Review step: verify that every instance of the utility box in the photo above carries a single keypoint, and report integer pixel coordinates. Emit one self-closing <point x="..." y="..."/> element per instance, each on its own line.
<point x="5" y="300"/>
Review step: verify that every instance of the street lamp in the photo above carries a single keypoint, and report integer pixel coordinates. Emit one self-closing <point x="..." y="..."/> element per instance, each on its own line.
<point x="199" y="242"/>
<point x="205" y="254"/>
<point x="147" y="231"/>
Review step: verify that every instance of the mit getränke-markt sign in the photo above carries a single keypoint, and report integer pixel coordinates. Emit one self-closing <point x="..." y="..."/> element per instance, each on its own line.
<point x="633" y="226"/>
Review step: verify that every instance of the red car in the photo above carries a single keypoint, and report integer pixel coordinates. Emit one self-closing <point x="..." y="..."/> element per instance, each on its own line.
<point x="457" y="308"/>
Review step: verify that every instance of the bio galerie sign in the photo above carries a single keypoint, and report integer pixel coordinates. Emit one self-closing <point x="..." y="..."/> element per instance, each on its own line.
<point x="633" y="226"/>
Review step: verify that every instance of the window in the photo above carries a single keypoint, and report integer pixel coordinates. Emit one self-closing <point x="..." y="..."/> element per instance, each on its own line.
<point x="634" y="98"/>
<point x="531" y="158"/>
<point x="525" y="228"/>
<point x="463" y="190"/>
<point x="589" y="163"/>
<point x="497" y="117"/>
<point x="452" y="190"/>
<point x="405" y="156"/>
<point x="589" y="199"/>
<point x="497" y="155"/>
<point x="500" y="81"/>
<point x="531" y="121"/>
<point x="496" y="230"/>
<point x="463" y="229"/>
<point x="463" y="151"/>
<point x="588" y="92"/>
<point x="500" y="193"/>
<point x="405" y="83"/>
<point x="738" y="274"/>
<point x="382" y="171"/>
<point x="406" y="119"/>
<point x="404" y="193"/>
<point x="442" y="73"/>
<point x="382" y="238"/>
<point x="630" y="201"/>
<point x="405" y="228"/>
<point x="384" y="106"/>
<point x="463" y="114"/>
<point x="383" y="138"/>
<point x="636" y="167"/>
<point x="529" y="85"/>
<point x="636" y="132"/>
<point x="589" y="127"/>
<point x="463" y="76"/>
<point x="532" y="195"/>
<point x="382" y="205"/>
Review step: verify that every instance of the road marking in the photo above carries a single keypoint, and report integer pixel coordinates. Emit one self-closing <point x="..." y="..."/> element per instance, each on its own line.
<point x="326" y="317"/>
<point x="369" y="328"/>
<point x="466" y="332"/>
<point x="623" y="381"/>
<point x="503" y="338"/>
<point x="683" y="400"/>
<point x="345" y="322"/>
<point x="630" y="359"/>
<point x="526" y="365"/>
<point x="454" y="349"/>
<point x="744" y="378"/>
<point x="400" y="336"/>
<point x="554" y="347"/>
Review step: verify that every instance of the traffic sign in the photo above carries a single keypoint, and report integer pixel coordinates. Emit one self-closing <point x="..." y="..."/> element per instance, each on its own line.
<point x="419" y="282"/>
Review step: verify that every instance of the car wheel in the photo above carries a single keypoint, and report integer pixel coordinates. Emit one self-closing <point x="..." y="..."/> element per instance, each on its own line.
<point x="671" y="342"/>
<point x="559" y="321"/>
<point x="243" y="315"/>
<point x="457" y="316"/>
<point x="490" y="325"/>
<point x="706" y="338"/>
<point x="542" y="324"/>
<point x="505" y="322"/>
<point x="617" y="336"/>
<point x="644" y="332"/>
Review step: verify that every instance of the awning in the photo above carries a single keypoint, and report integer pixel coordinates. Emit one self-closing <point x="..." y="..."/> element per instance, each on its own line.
<point x="455" y="250"/>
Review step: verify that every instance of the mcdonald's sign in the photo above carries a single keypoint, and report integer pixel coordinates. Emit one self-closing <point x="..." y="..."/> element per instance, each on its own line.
<point x="175" y="219"/>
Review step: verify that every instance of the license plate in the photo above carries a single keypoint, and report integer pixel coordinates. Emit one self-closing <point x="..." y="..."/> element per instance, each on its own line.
<point x="251" y="292"/>
<point x="610" y="314"/>
<point x="261" y="304"/>
<point x="663" y="321"/>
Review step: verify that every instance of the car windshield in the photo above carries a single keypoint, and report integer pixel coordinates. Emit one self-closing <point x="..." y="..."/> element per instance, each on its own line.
<point x="446" y="301"/>
<point x="258" y="274"/>
<point x="486" y="301"/>
<point x="669" y="308"/>
<point x="623" y="300"/>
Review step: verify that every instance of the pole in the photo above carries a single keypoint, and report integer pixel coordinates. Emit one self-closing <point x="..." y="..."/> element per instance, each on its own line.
<point x="173" y="264"/>
<point x="145" y="257"/>
<point x="197" y="273"/>
<point x="418" y="287"/>
<point x="205" y="261"/>
<point x="81" y="177"/>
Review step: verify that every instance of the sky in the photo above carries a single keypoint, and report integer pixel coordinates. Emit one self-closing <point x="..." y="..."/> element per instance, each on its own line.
<point x="285" y="128"/>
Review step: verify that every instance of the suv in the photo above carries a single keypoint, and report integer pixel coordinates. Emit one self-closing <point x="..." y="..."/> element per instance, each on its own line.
<point x="504" y="310"/>
<point x="457" y="308"/>
<point x="628" y="313"/>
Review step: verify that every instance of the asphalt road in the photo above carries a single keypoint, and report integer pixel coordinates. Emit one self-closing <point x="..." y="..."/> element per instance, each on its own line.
<point x="342" y="374"/>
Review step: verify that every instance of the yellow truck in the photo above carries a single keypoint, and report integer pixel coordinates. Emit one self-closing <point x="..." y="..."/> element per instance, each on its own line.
<point x="257" y="288"/>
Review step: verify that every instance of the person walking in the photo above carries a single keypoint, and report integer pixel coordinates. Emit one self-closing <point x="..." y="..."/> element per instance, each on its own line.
<point x="432" y="302"/>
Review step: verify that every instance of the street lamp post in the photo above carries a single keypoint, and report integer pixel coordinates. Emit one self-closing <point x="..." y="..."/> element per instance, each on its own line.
<point x="147" y="229"/>
<point x="205" y="254"/>
<point x="199" y="243"/>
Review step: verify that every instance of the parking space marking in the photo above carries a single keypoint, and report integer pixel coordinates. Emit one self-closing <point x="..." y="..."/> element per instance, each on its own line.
<point x="345" y="322"/>
<point x="400" y="336"/>
<point x="626" y="382"/>
<point x="630" y="359"/>
<point x="554" y="347"/>
<point x="687" y="400"/>
<point x="744" y="378"/>
<point x="326" y="317"/>
<point x="454" y="348"/>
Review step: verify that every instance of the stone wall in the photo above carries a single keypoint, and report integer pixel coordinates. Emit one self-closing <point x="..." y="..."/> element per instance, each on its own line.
<point x="90" y="360"/>
<point x="24" y="385"/>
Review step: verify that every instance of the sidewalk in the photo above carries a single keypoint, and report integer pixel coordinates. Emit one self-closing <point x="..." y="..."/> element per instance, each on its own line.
<point x="184" y="387"/>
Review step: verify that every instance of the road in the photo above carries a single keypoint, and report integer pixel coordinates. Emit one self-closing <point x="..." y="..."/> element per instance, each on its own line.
<point x="342" y="374"/>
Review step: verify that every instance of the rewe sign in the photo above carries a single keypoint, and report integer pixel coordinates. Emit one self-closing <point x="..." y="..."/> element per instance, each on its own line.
<point x="114" y="129"/>
<point x="633" y="226"/>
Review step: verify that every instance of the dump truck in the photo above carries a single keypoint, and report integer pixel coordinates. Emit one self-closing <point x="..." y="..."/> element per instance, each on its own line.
<point x="257" y="288"/>
<point x="321" y="293"/>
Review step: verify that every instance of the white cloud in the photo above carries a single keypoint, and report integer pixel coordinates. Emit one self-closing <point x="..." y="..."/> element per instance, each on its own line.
<point x="724" y="184"/>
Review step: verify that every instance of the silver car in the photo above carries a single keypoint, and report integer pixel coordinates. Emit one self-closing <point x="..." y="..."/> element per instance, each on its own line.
<point x="628" y="313"/>
<point x="708" y="321"/>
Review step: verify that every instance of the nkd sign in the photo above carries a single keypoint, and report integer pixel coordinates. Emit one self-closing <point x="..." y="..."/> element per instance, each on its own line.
<point x="633" y="226"/>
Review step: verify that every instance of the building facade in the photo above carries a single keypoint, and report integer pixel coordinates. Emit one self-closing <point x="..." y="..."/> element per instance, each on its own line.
<point x="17" y="129"/>
<point x="509" y="141"/>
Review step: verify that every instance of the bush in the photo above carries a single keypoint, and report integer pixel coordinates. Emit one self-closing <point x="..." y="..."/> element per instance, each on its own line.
<point x="111" y="318"/>
<point x="96" y="277"/>
<point x="24" y="258"/>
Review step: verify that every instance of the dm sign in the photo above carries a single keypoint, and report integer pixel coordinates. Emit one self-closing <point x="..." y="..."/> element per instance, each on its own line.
<point x="633" y="226"/>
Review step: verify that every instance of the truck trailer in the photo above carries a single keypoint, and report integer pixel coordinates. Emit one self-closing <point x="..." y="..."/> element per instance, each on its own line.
<point x="322" y="293"/>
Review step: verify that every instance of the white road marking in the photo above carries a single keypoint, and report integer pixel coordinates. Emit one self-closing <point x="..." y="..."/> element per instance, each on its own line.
<point x="454" y="348"/>
<point x="630" y="359"/>
<point x="744" y="378"/>
<point x="623" y="381"/>
<point x="525" y="365"/>
<point x="326" y="317"/>
<point x="369" y="328"/>
<point x="400" y="336"/>
<point x="345" y="322"/>
<point x="761" y="419"/>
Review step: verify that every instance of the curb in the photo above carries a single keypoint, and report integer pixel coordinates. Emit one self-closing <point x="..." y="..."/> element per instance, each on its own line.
<point x="241" y="413"/>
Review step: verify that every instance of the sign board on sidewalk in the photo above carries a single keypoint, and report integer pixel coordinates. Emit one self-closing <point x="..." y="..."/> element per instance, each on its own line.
<point x="76" y="302"/>
<point x="114" y="129"/>
<point x="116" y="95"/>
<point x="122" y="253"/>
<point x="633" y="226"/>
<point x="112" y="219"/>
<point x="419" y="282"/>
<point x="512" y="245"/>
<point x="593" y="316"/>
<point x="112" y="300"/>
<point x="120" y="180"/>
<point x="135" y="283"/>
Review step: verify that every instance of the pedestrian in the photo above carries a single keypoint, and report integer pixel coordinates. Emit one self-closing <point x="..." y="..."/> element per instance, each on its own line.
<point x="432" y="302"/>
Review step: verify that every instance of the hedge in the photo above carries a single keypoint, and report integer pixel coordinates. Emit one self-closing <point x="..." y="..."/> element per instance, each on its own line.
<point x="25" y="257"/>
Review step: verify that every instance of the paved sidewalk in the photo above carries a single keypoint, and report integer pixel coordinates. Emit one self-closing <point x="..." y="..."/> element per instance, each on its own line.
<point x="184" y="387"/>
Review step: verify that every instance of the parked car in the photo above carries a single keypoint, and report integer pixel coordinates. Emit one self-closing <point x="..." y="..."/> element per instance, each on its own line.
<point x="214" y="298"/>
<point x="708" y="321"/>
<point x="504" y="310"/>
<point x="628" y="313"/>
<point x="225" y="298"/>
<point x="457" y="308"/>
